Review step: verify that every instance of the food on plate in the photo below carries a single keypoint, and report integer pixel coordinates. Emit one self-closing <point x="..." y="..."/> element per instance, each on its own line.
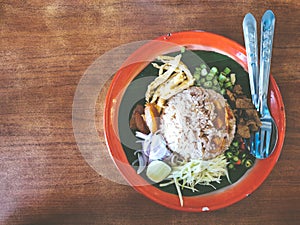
<point x="158" y="170"/>
<point x="245" y="112"/>
<point x="192" y="126"/>
<point x="173" y="77"/>
<point x="151" y="117"/>
<point x="197" y="123"/>
<point x="153" y="148"/>
<point x="212" y="79"/>
<point x="137" y="122"/>
<point x="197" y="171"/>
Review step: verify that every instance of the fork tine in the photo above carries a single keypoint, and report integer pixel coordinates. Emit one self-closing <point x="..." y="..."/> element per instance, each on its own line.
<point x="262" y="141"/>
<point x="268" y="137"/>
<point x="255" y="143"/>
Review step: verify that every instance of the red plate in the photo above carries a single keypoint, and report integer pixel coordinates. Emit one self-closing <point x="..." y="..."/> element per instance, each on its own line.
<point x="194" y="40"/>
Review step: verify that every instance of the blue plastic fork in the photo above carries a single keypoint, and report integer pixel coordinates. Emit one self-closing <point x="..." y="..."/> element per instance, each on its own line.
<point x="268" y="125"/>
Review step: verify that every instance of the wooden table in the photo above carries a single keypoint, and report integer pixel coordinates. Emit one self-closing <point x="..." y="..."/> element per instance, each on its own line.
<point x="45" y="48"/>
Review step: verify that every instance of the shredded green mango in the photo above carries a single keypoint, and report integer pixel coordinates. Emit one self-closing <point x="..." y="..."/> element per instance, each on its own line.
<point x="194" y="172"/>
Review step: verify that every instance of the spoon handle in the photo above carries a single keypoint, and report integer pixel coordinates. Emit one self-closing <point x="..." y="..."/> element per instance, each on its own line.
<point x="250" y="38"/>
<point x="266" y="42"/>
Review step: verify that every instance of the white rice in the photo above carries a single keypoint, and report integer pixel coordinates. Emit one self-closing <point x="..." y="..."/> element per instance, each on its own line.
<point x="188" y="124"/>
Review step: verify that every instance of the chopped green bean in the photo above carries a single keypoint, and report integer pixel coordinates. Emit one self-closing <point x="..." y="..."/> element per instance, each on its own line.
<point x="207" y="84"/>
<point x="228" y="85"/>
<point x="202" y="80"/>
<point x="235" y="158"/>
<point x="230" y="166"/>
<point x="222" y="78"/>
<point x="223" y="91"/>
<point x="204" y="72"/>
<point x="197" y="75"/>
<point x="214" y="70"/>
<point x="215" y="82"/>
<point x="229" y="154"/>
<point x="227" y="70"/>
<point x="210" y="76"/>
<point x="235" y="144"/>
<point x="203" y="66"/>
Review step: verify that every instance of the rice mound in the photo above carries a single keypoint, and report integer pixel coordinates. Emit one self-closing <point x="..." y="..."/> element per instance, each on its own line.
<point x="198" y="123"/>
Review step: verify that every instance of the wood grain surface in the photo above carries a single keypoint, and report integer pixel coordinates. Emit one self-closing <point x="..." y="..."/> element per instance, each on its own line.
<point x="46" y="47"/>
